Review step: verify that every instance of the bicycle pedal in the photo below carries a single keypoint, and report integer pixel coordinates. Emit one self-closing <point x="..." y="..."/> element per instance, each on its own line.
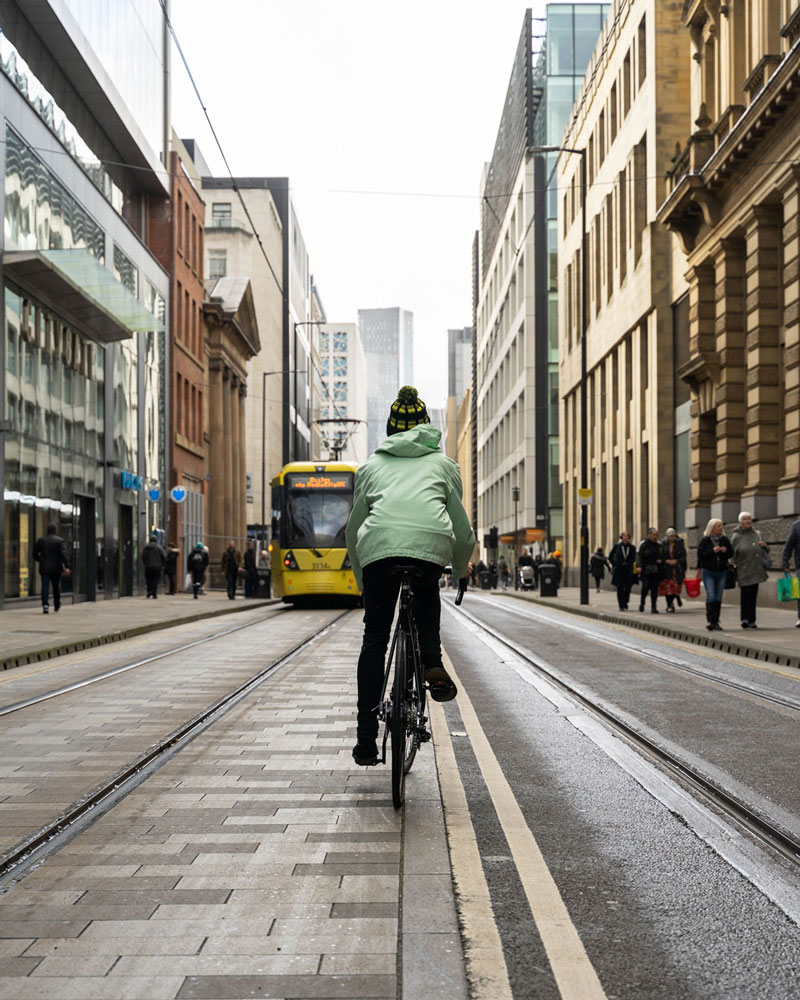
<point x="424" y="736"/>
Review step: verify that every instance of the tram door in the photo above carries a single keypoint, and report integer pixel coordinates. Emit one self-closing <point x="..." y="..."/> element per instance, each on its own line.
<point x="84" y="572"/>
<point x="125" y="550"/>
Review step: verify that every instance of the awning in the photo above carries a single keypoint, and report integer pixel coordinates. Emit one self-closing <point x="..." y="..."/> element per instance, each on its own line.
<point x="75" y="284"/>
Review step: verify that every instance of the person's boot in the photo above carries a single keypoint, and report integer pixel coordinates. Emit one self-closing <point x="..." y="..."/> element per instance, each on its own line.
<point x="717" y="613"/>
<point x="709" y="616"/>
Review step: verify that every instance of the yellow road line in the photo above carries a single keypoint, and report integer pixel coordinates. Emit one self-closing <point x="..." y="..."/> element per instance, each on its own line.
<point x="572" y="969"/>
<point x="483" y="950"/>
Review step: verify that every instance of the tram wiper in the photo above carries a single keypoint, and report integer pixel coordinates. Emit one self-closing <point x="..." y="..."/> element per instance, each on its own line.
<point x="317" y="553"/>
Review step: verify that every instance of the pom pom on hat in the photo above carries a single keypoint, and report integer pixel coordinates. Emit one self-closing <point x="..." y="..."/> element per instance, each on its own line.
<point x="407" y="411"/>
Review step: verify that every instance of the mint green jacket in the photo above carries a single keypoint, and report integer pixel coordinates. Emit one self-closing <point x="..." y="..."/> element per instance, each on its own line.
<point x="408" y="503"/>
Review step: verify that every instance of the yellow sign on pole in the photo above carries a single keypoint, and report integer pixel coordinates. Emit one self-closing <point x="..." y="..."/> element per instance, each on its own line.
<point x="584" y="497"/>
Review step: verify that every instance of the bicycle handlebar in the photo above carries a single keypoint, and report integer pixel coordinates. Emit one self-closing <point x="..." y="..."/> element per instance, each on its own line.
<point x="462" y="589"/>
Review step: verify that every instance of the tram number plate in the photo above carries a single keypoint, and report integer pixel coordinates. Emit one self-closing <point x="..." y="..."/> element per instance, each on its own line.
<point x="319" y="565"/>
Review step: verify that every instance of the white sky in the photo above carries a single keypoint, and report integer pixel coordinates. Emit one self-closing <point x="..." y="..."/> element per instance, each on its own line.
<point x="361" y="96"/>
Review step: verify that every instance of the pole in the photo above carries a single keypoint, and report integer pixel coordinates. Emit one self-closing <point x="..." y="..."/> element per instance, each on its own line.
<point x="516" y="541"/>
<point x="263" y="459"/>
<point x="584" y="435"/>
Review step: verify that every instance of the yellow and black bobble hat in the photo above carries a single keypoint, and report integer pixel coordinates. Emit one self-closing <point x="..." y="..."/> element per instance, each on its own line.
<point x="407" y="411"/>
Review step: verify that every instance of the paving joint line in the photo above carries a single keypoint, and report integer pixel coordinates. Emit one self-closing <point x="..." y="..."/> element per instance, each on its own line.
<point x="77" y="645"/>
<point x="779" y="657"/>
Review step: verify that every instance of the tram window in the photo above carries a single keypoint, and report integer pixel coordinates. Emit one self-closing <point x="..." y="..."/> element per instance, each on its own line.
<point x="317" y="519"/>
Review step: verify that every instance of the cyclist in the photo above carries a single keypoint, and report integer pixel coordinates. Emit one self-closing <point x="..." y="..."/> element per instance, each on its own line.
<point x="406" y="510"/>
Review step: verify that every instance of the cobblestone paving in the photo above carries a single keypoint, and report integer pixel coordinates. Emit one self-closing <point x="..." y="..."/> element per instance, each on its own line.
<point x="54" y="753"/>
<point x="257" y="862"/>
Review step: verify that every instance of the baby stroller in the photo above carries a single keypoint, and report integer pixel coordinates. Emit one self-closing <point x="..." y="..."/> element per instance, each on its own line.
<point x="527" y="579"/>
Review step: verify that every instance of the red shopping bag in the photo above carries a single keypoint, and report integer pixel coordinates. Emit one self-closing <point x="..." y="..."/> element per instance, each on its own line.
<point x="692" y="585"/>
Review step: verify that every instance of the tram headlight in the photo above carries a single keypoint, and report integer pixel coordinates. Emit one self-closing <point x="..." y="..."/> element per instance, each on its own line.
<point x="289" y="561"/>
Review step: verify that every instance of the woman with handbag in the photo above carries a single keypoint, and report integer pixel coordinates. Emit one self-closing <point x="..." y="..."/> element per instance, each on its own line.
<point x="674" y="569"/>
<point x="751" y="556"/>
<point x="713" y="553"/>
<point x="650" y="558"/>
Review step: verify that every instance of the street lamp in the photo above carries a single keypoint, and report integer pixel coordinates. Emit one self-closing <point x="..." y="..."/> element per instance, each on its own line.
<point x="515" y="498"/>
<point x="584" y="547"/>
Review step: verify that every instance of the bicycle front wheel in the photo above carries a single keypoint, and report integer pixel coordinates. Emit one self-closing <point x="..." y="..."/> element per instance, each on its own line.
<point x="399" y="728"/>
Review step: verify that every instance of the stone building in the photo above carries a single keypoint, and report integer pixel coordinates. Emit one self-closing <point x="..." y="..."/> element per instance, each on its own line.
<point x="231" y="342"/>
<point x="631" y="110"/>
<point x="733" y="198"/>
<point x="176" y="233"/>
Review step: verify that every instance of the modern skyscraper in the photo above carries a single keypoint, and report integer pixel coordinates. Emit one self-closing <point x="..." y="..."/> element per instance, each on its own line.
<point x="459" y="361"/>
<point x="387" y="337"/>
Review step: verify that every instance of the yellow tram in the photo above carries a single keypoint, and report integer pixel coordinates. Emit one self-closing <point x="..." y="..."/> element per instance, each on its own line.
<point x="311" y="502"/>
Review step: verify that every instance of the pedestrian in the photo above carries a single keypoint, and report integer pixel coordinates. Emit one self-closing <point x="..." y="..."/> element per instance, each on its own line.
<point x="196" y="565"/>
<point x="171" y="566"/>
<point x="713" y="552"/>
<point x="623" y="556"/>
<point x="674" y="569"/>
<point x="493" y="575"/>
<point x="231" y="561"/>
<point x="554" y="559"/>
<point x="791" y="551"/>
<point x="154" y="559"/>
<point x="537" y="564"/>
<point x="650" y="558"/>
<point x="751" y="557"/>
<point x="250" y="571"/>
<point x="504" y="573"/>
<point x="597" y="565"/>
<point x="51" y="554"/>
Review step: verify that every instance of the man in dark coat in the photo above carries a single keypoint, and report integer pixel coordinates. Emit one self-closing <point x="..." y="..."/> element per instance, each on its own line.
<point x="623" y="557"/>
<point x="196" y="565"/>
<point x="50" y="553"/>
<point x="154" y="559"/>
<point x="250" y="571"/>
<point x="231" y="561"/>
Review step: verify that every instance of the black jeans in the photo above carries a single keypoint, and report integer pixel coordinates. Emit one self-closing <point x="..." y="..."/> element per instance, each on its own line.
<point x="649" y="585"/>
<point x="232" y="586"/>
<point x="55" y="580"/>
<point x="152" y="578"/>
<point x="380" y="598"/>
<point x="623" y="594"/>
<point x="747" y="602"/>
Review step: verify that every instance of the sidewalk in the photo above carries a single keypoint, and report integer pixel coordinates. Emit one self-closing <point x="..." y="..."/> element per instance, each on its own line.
<point x="775" y="641"/>
<point x="27" y="635"/>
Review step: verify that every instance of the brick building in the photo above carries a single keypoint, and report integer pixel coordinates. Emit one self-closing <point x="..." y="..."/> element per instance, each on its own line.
<point x="177" y="234"/>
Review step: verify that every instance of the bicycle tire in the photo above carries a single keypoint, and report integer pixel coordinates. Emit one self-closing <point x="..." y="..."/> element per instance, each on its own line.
<point x="398" y="729"/>
<point x="413" y="697"/>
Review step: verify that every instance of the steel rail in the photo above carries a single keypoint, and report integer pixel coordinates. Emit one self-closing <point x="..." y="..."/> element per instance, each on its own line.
<point x="784" y="701"/>
<point x="91" y="807"/>
<point x="96" y="678"/>
<point x="781" y="841"/>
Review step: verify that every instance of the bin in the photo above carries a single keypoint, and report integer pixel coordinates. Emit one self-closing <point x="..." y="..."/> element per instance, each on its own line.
<point x="548" y="580"/>
<point x="263" y="585"/>
<point x="485" y="579"/>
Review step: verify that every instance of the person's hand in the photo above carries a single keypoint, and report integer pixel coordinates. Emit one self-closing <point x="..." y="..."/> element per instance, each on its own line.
<point x="67" y="571"/>
<point x="672" y="562"/>
<point x="763" y="544"/>
<point x="719" y="548"/>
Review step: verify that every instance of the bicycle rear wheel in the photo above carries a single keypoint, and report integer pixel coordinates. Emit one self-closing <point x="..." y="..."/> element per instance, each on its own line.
<point x="399" y="729"/>
<point x="413" y="698"/>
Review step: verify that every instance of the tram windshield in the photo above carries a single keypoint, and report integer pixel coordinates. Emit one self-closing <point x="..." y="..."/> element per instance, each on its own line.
<point x="317" y="509"/>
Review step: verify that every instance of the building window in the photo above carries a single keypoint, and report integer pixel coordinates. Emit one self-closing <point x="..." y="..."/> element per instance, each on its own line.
<point x="340" y="343"/>
<point x="125" y="271"/>
<point x="324" y="342"/>
<point x="326" y="366"/>
<point x="626" y="85"/>
<point x="340" y="367"/>
<point x="642" y="51"/>
<point x="340" y="392"/>
<point x="217" y="264"/>
<point x="179" y="312"/>
<point x="612" y="114"/>
<point x="221" y="214"/>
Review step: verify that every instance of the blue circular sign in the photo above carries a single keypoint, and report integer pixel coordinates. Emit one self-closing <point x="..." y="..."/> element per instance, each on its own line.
<point x="178" y="494"/>
<point x="154" y="494"/>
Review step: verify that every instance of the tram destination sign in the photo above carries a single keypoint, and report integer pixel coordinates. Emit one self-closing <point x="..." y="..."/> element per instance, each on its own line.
<point x="310" y="481"/>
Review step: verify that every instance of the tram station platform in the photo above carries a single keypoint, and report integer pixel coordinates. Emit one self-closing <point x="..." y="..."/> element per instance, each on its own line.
<point x="28" y="635"/>
<point x="776" y="639"/>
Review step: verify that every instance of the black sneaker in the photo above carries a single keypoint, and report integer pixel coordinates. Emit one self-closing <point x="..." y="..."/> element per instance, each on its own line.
<point x="440" y="684"/>
<point x="365" y="753"/>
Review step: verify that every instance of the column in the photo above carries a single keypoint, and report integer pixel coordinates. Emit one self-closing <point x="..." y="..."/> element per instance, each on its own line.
<point x="763" y="235"/>
<point x="243" y="460"/>
<point x="789" y="492"/>
<point x="227" y="446"/>
<point x="236" y="466"/>
<point x="216" y="465"/>
<point x="703" y="437"/>
<point x="730" y="392"/>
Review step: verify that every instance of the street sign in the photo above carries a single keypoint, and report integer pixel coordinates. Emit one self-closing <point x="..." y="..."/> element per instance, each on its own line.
<point x="178" y="494"/>
<point x="584" y="497"/>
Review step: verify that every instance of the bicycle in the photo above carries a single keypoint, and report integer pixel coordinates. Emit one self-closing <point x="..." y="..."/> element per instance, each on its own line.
<point x="403" y="711"/>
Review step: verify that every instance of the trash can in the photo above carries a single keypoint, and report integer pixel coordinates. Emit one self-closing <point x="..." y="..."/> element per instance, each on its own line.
<point x="548" y="580"/>
<point x="263" y="585"/>
<point x="485" y="579"/>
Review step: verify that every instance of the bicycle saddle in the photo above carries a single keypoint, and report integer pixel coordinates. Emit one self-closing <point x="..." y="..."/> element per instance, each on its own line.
<point x="405" y="570"/>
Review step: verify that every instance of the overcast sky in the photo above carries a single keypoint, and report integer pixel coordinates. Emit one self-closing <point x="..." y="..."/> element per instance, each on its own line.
<point x="382" y="116"/>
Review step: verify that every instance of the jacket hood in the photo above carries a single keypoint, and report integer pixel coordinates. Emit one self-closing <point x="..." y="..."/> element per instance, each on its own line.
<point x="414" y="443"/>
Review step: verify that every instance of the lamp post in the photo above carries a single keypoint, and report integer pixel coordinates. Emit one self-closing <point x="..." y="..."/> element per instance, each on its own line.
<point x="515" y="498"/>
<point x="584" y="540"/>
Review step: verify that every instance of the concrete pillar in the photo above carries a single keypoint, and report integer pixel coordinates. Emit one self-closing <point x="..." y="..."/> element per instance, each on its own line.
<point x="227" y="446"/>
<point x="789" y="491"/>
<point x="242" y="461"/>
<point x="729" y="268"/>
<point x="236" y="462"/>
<point x="703" y="438"/>
<point x="763" y="235"/>
<point x="216" y="463"/>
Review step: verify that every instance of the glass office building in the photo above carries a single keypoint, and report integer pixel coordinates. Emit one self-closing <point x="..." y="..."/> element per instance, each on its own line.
<point x="82" y="352"/>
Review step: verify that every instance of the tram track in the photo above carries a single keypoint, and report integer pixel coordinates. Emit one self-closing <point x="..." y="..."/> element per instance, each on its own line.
<point x="712" y="792"/>
<point x="17" y="706"/>
<point x="15" y="863"/>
